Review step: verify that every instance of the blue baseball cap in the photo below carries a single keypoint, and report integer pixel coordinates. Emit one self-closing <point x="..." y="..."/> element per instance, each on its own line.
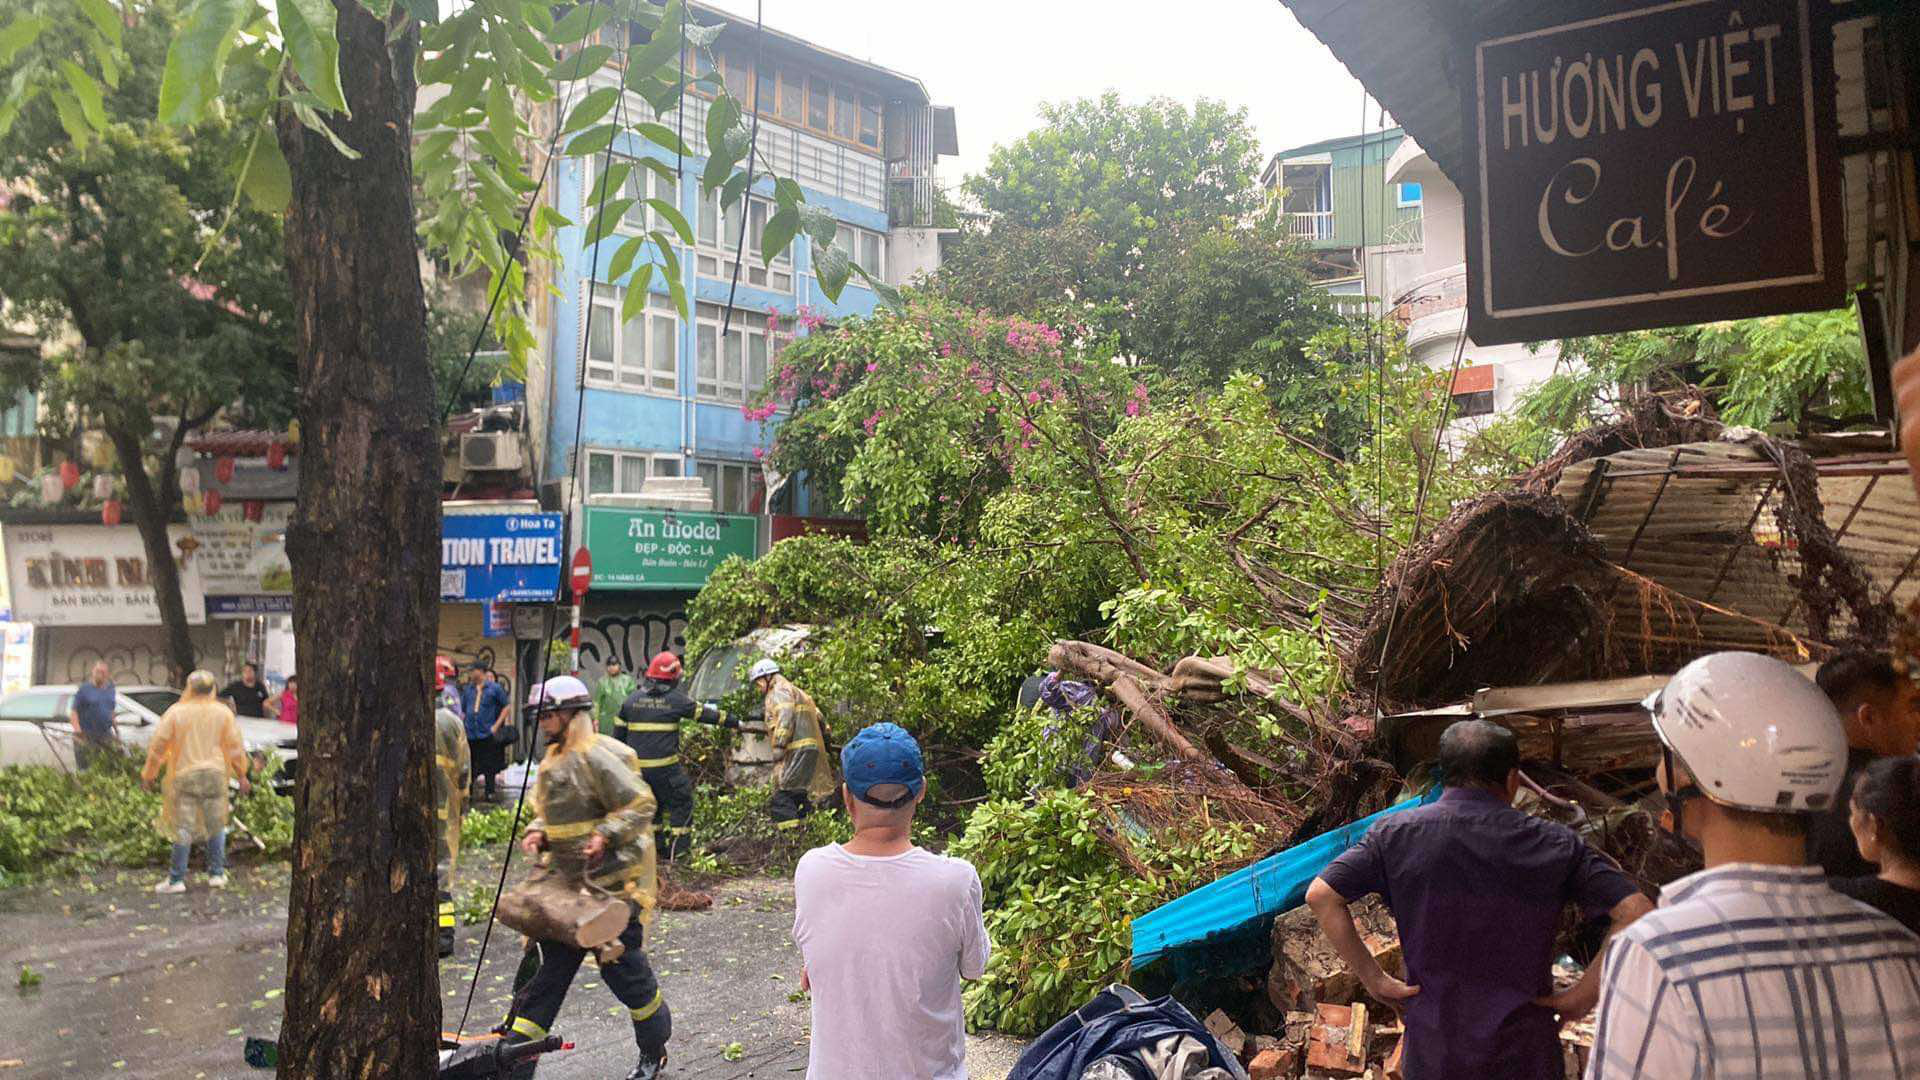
<point x="885" y="757"/>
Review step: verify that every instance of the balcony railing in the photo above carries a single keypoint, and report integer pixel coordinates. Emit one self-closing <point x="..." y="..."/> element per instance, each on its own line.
<point x="1310" y="224"/>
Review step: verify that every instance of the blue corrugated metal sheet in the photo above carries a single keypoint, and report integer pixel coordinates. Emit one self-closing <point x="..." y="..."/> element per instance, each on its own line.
<point x="1229" y="918"/>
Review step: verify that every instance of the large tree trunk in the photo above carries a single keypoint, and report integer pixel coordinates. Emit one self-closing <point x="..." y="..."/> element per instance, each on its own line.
<point x="362" y="984"/>
<point x="152" y="511"/>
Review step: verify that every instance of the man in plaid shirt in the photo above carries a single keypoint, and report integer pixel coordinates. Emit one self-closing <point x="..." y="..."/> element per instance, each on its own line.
<point x="1753" y="967"/>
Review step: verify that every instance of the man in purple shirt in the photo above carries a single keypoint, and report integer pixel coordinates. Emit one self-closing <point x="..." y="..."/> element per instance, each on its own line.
<point x="1477" y="888"/>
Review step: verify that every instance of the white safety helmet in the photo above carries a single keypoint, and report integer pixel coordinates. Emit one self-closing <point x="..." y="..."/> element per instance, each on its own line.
<point x="1755" y="733"/>
<point x="559" y="692"/>
<point x="761" y="669"/>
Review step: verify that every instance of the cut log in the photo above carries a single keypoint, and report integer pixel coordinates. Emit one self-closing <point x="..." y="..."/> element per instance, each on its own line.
<point x="550" y="908"/>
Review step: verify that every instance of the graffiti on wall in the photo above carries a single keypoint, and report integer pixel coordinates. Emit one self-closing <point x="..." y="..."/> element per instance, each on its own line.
<point x="631" y="639"/>
<point x="126" y="664"/>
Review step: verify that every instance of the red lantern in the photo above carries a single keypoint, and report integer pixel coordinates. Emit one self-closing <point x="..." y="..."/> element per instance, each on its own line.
<point x="253" y="509"/>
<point x="69" y="474"/>
<point x="223" y="470"/>
<point x="212" y="502"/>
<point x="110" y="512"/>
<point x="277" y="456"/>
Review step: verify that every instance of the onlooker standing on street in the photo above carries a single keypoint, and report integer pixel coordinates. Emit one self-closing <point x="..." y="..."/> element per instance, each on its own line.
<point x="197" y="743"/>
<point x="94" y="704"/>
<point x="1881" y="713"/>
<point x="1478" y="889"/>
<point x="886" y="930"/>
<point x="608" y="695"/>
<point x="1754" y="966"/>
<point x="245" y="695"/>
<point x="483" y="707"/>
<point x="287" y="704"/>
<point x="1886" y="823"/>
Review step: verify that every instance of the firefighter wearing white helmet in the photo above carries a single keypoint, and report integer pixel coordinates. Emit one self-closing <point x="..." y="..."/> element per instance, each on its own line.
<point x="1754" y="966"/>
<point x="802" y="770"/>
<point x="593" y="818"/>
<point x="1752" y="733"/>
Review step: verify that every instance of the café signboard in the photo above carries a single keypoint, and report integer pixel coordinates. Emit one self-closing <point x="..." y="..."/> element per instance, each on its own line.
<point x="664" y="549"/>
<point x="1657" y="166"/>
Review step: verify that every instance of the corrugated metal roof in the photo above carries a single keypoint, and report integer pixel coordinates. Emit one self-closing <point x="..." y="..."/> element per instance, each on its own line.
<point x="1697" y="520"/>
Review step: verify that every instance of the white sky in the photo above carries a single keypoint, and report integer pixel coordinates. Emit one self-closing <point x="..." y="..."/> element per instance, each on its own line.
<point x="995" y="61"/>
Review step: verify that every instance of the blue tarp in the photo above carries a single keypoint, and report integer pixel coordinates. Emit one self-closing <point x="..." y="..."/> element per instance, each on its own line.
<point x="1232" y="914"/>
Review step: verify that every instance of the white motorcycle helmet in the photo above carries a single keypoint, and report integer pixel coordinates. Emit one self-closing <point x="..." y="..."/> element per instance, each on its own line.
<point x="1755" y="733"/>
<point x="559" y="692"/>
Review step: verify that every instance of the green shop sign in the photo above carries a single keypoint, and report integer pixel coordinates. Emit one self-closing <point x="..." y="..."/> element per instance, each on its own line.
<point x="664" y="549"/>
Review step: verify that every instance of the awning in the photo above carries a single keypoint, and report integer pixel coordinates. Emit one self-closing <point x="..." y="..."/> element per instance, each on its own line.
<point x="1477" y="379"/>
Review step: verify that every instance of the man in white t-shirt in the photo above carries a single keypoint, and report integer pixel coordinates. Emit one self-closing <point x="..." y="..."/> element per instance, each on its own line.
<point x="886" y="930"/>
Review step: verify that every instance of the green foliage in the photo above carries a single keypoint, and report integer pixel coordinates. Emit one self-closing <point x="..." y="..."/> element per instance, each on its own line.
<point x="1797" y="372"/>
<point x="475" y="906"/>
<point x="52" y="822"/>
<point x="451" y="330"/>
<point x="1060" y="905"/>
<point x="485" y="827"/>
<point x="29" y="978"/>
<point x="1128" y="171"/>
<point x="1036" y="751"/>
<point x="1236" y="297"/>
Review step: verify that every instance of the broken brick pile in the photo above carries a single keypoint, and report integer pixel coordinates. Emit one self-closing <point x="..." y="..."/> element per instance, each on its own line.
<point x="1323" y="1025"/>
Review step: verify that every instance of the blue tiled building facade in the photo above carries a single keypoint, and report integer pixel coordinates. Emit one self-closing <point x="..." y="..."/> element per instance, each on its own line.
<point x="663" y="394"/>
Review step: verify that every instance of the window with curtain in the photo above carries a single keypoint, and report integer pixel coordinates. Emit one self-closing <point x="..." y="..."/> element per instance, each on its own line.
<point x="641" y="355"/>
<point x="625" y="472"/>
<point x="734" y="369"/>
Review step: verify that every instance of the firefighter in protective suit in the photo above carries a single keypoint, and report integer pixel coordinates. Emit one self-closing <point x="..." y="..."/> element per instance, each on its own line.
<point x="802" y="771"/>
<point x="452" y="774"/>
<point x="650" y="722"/>
<point x="592" y="815"/>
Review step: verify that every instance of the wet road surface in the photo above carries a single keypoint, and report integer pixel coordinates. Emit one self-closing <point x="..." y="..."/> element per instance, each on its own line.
<point x="135" y="984"/>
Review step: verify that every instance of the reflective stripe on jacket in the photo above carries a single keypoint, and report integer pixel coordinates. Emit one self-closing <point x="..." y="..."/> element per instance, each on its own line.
<point x="799" y="743"/>
<point x="597" y="788"/>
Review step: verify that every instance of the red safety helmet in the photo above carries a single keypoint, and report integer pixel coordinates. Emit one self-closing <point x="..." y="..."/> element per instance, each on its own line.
<point x="443" y="669"/>
<point x="665" y="667"/>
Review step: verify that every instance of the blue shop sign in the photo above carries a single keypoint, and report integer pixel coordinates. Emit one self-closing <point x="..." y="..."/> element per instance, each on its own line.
<point x="500" y="557"/>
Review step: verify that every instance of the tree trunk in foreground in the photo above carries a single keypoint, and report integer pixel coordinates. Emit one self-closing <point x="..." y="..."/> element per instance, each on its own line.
<point x="363" y="995"/>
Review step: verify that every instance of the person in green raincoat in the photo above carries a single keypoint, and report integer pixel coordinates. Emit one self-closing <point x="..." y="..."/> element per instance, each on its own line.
<point x="612" y="691"/>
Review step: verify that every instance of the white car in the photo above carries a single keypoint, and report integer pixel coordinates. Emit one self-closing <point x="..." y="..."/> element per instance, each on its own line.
<point x="35" y="728"/>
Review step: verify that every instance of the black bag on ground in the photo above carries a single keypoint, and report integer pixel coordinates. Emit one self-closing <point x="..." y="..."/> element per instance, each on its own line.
<point x="1119" y="1022"/>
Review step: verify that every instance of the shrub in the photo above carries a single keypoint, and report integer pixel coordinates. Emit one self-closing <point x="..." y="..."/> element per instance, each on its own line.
<point x="1060" y="904"/>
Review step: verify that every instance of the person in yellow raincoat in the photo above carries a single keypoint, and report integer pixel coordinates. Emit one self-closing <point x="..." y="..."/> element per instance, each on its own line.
<point x="802" y="771"/>
<point x="197" y="743"/>
<point x="593" y="818"/>
<point x="452" y="775"/>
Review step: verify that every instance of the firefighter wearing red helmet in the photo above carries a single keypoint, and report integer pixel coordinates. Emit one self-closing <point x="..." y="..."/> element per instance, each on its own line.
<point x="650" y="724"/>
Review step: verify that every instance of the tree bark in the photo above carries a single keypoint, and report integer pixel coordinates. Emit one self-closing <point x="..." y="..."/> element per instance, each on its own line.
<point x="362" y="984"/>
<point x="152" y="513"/>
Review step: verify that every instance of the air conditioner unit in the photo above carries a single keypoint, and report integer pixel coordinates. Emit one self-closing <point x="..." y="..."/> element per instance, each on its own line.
<point x="491" y="451"/>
